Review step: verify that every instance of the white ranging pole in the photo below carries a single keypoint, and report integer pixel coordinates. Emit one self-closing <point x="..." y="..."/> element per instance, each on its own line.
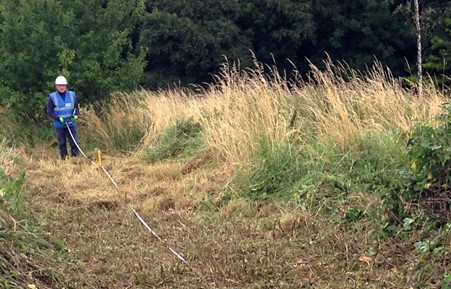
<point x="156" y="236"/>
<point x="419" y="59"/>
<point x="179" y="256"/>
<point x="76" y="143"/>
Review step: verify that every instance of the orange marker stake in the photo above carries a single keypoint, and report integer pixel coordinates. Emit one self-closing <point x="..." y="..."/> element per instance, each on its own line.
<point x="99" y="157"/>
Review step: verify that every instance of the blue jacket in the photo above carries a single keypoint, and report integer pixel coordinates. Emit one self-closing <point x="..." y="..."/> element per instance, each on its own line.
<point x="63" y="107"/>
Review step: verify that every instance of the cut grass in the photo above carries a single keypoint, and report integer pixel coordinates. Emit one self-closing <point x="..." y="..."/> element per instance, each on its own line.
<point x="236" y="244"/>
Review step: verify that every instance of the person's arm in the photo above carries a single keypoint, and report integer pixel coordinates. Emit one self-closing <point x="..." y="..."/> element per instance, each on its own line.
<point x="76" y="106"/>
<point x="51" y="109"/>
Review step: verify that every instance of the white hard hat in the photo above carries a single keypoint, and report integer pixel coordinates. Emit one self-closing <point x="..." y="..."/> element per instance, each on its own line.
<point x="61" y="80"/>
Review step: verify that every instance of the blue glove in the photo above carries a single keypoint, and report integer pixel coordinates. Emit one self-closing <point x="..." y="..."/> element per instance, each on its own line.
<point x="74" y="118"/>
<point x="62" y="120"/>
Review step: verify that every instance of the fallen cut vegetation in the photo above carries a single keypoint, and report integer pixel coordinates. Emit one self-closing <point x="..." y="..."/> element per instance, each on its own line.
<point x="256" y="181"/>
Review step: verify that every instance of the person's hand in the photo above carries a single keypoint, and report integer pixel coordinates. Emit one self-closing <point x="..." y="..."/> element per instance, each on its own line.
<point x="62" y="120"/>
<point x="74" y="118"/>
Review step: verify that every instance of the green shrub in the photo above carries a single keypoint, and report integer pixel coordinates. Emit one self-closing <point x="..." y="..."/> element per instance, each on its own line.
<point x="429" y="179"/>
<point x="184" y="137"/>
<point x="430" y="152"/>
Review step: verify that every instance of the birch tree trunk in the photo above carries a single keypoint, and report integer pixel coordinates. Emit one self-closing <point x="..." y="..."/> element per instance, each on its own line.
<point x="419" y="60"/>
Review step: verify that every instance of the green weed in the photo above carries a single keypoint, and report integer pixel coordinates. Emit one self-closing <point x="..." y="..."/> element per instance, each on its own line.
<point x="426" y="184"/>
<point x="27" y="256"/>
<point x="11" y="193"/>
<point x="184" y="137"/>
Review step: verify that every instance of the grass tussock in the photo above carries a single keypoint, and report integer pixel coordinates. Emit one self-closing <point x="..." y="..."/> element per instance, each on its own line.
<point x="121" y="126"/>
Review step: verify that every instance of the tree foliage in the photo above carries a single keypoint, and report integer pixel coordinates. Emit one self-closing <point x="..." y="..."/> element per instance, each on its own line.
<point x="87" y="41"/>
<point x="439" y="61"/>
<point x="188" y="40"/>
<point x="28" y="52"/>
<point x="279" y="30"/>
<point x="104" y="46"/>
<point x="359" y="32"/>
<point x="432" y="21"/>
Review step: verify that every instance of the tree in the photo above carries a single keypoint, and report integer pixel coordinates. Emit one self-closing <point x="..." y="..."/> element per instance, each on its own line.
<point x="279" y="30"/>
<point x="360" y="31"/>
<point x="439" y="60"/>
<point x="28" y="54"/>
<point x="87" y="41"/>
<point x="428" y="18"/>
<point x="104" y="58"/>
<point x="187" y="41"/>
<point x="419" y="51"/>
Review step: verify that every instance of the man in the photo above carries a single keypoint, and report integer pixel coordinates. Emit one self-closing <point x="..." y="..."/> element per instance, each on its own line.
<point x="63" y="108"/>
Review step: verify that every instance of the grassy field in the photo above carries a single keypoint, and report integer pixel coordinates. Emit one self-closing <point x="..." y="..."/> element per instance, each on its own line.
<point x="256" y="181"/>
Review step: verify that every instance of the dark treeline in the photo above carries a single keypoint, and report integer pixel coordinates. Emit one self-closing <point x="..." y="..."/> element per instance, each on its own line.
<point x="108" y="45"/>
<point x="187" y="40"/>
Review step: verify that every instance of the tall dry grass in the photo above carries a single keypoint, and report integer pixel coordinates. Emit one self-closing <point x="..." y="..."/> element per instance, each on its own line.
<point x="8" y="157"/>
<point x="335" y="103"/>
<point x="123" y="123"/>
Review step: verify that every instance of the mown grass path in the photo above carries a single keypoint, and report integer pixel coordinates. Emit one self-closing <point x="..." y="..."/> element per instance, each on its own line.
<point x="236" y="245"/>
